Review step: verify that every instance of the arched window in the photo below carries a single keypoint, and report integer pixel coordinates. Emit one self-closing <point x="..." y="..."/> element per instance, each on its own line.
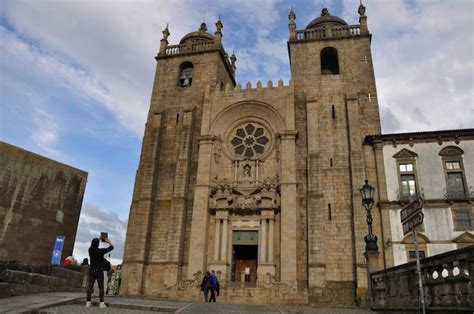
<point x="410" y="246"/>
<point x="329" y="61"/>
<point x="186" y="71"/>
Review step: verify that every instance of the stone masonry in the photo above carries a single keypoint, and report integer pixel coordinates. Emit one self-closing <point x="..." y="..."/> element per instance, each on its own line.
<point x="226" y="168"/>
<point x="32" y="189"/>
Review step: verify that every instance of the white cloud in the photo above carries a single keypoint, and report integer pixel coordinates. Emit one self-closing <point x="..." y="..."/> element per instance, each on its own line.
<point x="95" y="220"/>
<point x="422" y="52"/>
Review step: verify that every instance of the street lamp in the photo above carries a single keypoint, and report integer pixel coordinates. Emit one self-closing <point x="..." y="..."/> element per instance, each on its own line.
<point x="367" y="194"/>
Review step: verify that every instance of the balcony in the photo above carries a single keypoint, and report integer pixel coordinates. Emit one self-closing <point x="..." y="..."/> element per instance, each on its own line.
<point x="458" y="194"/>
<point x="320" y="33"/>
<point x="405" y="198"/>
<point x="447" y="283"/>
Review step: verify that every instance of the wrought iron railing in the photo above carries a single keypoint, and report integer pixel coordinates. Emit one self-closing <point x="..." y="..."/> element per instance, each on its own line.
<point x="458" y="193"/>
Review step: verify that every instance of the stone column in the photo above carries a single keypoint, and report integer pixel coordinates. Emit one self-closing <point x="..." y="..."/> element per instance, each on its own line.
<point x="217" y="238"/>
<point x="263" y="252"/>
<point x="271" y="232"/>
<point x="224" y="240"/>
<point x="198" y="245"/>
<point x="288" y="207"/>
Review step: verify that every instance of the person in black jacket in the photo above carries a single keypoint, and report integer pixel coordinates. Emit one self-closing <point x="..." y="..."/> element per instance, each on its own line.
<point x="96" y="270"/>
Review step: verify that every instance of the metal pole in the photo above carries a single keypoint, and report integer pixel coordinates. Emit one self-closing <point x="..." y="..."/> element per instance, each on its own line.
<point x="418" y="270"/>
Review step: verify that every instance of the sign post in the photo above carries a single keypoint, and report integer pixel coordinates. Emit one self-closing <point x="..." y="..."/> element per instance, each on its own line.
<point x="411" y="217"/>
<point x="57" y="250"/>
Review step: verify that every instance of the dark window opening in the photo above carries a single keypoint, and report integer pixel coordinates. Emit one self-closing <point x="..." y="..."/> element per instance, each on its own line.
<point x="413" y="254"/>
<point x="333" y="112"/>
<point x="177" y="118"/>
<point x="329" y="212"/>
<point x="329" y="61"/>
<point x="330" y="161"/>
<point x="462" y="220"/>
<point x="186" y="71"/>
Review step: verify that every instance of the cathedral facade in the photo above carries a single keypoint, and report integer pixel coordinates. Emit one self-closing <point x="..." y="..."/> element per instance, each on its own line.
<point x="259" y="183"/>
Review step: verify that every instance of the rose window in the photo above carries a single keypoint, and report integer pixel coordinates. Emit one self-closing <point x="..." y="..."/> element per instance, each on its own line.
<point x="249" y="140"/>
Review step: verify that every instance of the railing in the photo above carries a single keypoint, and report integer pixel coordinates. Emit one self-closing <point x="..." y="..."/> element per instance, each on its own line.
<point x="190" y="47"/>
<point x="458" y="194"/>
<point x="407" y="198"/>
<point x="448" y="280"/>
<point x="172" y="50"/>
<point x="319" y="33"/>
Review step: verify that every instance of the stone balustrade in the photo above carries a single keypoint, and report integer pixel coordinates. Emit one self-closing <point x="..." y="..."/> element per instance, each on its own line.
<point x="320" y="33"/>
<point x="448" y="280"/>
<point x="191" y="47"/>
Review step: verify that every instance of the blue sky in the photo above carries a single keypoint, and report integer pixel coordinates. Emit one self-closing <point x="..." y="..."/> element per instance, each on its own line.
<point x="76" y="76"/>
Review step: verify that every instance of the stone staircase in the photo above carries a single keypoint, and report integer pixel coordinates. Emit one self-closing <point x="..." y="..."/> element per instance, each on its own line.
<point x="20" y="282"/>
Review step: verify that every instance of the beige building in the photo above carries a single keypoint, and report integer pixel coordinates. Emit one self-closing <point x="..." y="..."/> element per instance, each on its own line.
<point x="260" y="183"/>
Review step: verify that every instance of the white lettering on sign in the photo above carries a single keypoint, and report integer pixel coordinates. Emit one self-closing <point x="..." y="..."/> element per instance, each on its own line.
<point x="411" y="209"/>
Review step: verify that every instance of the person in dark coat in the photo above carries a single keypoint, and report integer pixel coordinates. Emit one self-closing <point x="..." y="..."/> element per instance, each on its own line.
<point x="206" y="285"/>
<point x="96" y="270"/>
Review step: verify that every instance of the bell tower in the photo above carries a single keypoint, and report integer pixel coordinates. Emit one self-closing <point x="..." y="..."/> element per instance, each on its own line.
<point x="335" y="108"/>
<point x="156" y="246"/>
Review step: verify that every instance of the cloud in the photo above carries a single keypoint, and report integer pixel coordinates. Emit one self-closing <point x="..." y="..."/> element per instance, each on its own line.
<point x="423" y="62"/>
<point x="95" y="220"/>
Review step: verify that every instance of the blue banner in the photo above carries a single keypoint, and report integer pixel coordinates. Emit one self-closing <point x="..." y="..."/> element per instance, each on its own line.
<point x="58" y="250"/>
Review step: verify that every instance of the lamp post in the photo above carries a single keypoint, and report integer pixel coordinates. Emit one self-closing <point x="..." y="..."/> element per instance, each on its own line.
<point x="367" y="195"/>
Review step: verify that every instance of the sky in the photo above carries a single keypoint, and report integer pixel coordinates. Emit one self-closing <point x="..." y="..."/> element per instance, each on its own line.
<point x="76" y="76"/>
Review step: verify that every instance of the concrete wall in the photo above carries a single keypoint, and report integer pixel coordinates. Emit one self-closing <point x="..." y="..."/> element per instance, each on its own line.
<point x="32" y="189"/>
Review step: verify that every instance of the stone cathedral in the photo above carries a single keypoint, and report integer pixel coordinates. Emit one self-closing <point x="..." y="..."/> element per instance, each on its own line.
<point x="259" y="183"/>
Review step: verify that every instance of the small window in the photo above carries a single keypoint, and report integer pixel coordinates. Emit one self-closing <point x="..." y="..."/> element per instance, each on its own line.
<point x="454" y="172"/>
<point x="452" y="165"/>
<point x="412" y="255"/>
<point x="408" y="186"/>
<point x="406" y="167"/>
<point x="456" y="185"/>
<point x="329" y="61"/>
<point x="186" y="74"/>
<point x="407" y="176"/>
<point x="462" y="219"/>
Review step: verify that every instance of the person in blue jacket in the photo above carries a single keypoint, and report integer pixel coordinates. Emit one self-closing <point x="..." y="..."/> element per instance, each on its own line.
<point x="214" y="286"/>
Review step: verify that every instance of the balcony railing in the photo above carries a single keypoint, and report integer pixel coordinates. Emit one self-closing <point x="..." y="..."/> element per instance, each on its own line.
<point x="458" y="194"/>
<point x="448" y="284"/>
<point x="407" y="198"/>
<point x="319" y="33"/>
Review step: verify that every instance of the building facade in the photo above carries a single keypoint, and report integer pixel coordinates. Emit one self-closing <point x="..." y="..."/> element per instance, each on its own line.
<point x="260" y="183"/>
<point x="439" y="167"/>
<point x="33" y="189"/>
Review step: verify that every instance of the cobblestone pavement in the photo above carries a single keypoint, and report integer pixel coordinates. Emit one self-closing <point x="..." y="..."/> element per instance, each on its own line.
<point x="75" y="303"/>
<point x="207" y="309"/>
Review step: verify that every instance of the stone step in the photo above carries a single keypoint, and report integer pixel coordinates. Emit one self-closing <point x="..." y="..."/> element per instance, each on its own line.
<point x="24" y="278"/>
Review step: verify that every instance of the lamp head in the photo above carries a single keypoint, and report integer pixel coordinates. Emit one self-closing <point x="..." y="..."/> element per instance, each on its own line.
<point x="367" y="195"/>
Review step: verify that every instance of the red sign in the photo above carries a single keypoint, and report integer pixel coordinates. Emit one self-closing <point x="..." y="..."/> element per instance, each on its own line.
<point x="412" y="209"/>
<point x="413" y="222"/>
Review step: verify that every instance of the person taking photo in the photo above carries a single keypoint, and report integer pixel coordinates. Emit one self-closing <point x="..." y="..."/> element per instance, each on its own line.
<point x="97" y="267"/>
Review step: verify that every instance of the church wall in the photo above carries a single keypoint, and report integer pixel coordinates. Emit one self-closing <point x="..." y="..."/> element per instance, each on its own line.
<point x="331" y="252"/>
<point x="166" y="176"/>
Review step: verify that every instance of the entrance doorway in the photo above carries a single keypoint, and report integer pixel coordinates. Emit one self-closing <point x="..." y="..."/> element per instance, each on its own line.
<point x="244" y="256"/>
<point x="245" y="261"/>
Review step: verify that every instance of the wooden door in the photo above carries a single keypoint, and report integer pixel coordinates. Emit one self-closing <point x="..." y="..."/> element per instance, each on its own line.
<point x="248" y="267"/>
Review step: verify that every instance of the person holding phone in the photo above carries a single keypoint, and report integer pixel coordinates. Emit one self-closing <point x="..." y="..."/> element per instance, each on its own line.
<point x="97" y="267"/>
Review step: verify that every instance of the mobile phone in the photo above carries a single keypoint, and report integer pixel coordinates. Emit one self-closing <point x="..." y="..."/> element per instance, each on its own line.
<point x="103" y="236"/>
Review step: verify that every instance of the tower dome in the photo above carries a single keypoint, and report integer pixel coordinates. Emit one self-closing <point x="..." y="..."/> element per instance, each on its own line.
<point x="326" y="19"/>
<point x="200" y="36"/>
